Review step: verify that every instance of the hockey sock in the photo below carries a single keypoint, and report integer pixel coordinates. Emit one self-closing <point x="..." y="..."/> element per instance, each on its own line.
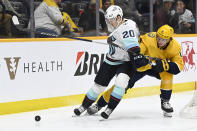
<point x="87" y="102"/>
<point x="115" y="97"/>
<point x="101" y="102"/>
<point x="90" y="97"/>
<point x="165" y="94"/>
<point x="113" y="102"/>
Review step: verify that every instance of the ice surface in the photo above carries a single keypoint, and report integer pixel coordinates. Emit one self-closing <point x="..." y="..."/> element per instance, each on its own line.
<point x="135" y="114"/>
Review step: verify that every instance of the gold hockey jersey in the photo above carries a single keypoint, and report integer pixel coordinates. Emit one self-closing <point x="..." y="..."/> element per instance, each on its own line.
<point x="148" y="46"/>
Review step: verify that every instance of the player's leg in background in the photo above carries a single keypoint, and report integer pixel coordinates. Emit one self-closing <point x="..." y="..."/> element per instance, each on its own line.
<point x="166" y="92"/>
<point x="166" y="89"/>
<point x="103" y="77"/>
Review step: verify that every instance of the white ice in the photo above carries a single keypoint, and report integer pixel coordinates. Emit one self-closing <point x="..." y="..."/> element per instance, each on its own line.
<point x="135" y="114"/>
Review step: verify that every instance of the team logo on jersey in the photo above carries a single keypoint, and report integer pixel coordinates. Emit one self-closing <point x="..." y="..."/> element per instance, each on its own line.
<point x="189" y="56"/>
<point x="12" y="65"/>
<point x="88" y="63"/>
<point x="151" y="35"/>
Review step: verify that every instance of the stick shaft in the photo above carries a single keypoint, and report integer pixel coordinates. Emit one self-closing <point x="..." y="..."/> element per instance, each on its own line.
<point x="87" y="40"/>
<point x="74" y="38"/>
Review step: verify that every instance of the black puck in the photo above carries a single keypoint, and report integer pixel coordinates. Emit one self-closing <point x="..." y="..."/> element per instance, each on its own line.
<point x="37" y="118"/>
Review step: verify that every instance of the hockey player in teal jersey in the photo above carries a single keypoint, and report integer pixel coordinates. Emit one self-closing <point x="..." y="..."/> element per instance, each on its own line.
<point x="118" y="63"/>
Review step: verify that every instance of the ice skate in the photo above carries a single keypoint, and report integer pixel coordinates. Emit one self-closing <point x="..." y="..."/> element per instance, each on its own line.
<point x="78" y="111"/>
<point x="93" y="109"/>
<point x="106" y="113"/>
<point x="167" y="109"/>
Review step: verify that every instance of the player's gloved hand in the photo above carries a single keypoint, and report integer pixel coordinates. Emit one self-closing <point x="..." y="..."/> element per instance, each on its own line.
<point x="110" y="40"/>
<point x="140" y="60"/>
<point x="161" y="65"/>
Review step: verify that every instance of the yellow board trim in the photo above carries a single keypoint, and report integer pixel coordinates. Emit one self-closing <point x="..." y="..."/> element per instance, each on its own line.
<point x="54" y="102"/>
<point x="67" y="39"/>
<point x="50" y="39"/>
<point x="154" y="90"/>
<point x="185" y="35"/>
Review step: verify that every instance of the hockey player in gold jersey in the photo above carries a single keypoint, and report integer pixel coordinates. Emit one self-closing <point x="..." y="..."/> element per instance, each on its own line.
<point x="163" y="46"/>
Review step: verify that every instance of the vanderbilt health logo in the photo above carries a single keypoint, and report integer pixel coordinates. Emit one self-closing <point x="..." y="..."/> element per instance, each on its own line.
<point x="87" y="62"/>
<point x="12" y="65"/>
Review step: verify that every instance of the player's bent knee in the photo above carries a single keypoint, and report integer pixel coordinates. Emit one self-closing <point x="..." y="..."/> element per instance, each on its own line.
<point x="98" y="88"/>
<point x="122" y="80"/>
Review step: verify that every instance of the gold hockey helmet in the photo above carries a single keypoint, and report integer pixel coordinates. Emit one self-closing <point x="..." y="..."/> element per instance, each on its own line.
<point x="165" y="32"/>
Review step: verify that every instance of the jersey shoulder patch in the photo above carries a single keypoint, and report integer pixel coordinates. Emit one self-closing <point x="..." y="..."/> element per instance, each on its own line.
<point x="151" y="34"/>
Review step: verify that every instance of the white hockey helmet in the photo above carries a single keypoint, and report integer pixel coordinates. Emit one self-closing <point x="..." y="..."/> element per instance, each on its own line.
<point x="113" y="12"/>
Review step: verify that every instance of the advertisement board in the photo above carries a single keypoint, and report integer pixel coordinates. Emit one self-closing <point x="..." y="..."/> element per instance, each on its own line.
<point x="44" y="69"/>
<point x="30" y="70"/>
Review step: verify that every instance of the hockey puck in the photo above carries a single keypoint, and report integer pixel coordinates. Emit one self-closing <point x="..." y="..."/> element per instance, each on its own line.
<point x="37" y="118"/>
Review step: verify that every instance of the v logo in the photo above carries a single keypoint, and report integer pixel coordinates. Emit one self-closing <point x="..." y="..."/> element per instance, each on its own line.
<point x="12" y="64"/>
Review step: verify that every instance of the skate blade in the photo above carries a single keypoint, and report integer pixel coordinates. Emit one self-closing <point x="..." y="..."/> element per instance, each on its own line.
<point x="84" y="115"/>
<point x="167" y="115"/>
<point x="102" y="119"/>
<point x="75" y="115"/>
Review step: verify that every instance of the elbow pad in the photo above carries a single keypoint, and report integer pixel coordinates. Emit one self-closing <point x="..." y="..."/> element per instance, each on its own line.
<point x="133" y="52"/>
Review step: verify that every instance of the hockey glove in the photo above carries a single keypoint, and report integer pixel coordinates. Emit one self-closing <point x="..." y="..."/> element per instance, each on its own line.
<point x="110" y="40"/>
<point x="161" y="65"/>
<point x="140" y="60"/>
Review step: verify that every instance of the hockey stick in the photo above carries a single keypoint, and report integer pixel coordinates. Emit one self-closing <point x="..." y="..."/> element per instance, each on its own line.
<point x="69" y="37"/>
<point x="81" y="39"/>
<point x="87" y="40"/>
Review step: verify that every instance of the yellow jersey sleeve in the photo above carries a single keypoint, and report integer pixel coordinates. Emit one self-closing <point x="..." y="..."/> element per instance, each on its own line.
<point x="148" y="46"/>
<point x="143" y="50"/>
<point x="177" y="57"/>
